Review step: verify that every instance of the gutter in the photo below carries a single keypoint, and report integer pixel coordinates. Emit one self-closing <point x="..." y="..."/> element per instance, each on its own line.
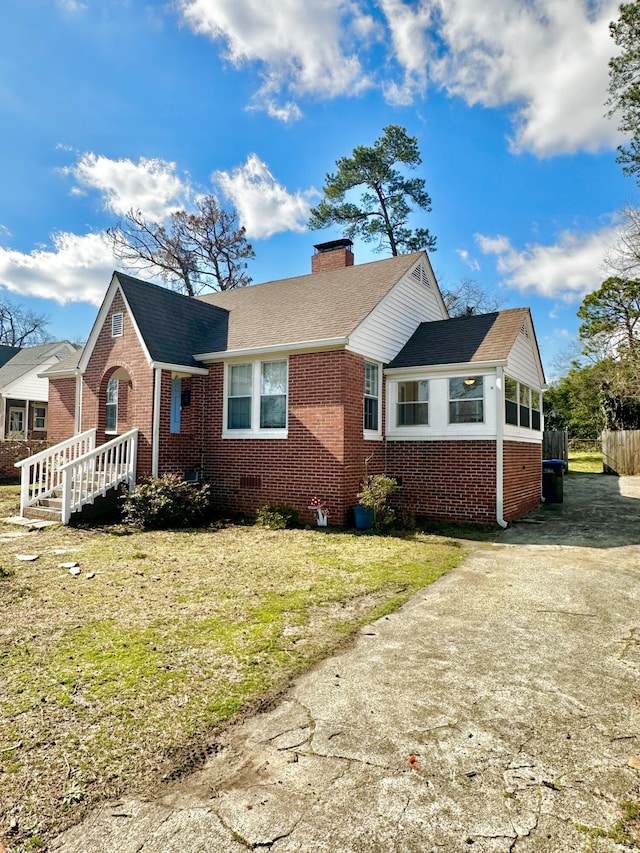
<point x="296" y="346"/>
<point x="500" y="447"/>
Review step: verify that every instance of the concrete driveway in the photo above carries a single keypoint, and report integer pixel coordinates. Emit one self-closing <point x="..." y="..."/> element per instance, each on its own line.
<point x="514" y="681"/>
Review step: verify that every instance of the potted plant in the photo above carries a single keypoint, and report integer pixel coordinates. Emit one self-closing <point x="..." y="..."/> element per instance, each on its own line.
<point x="373" y="509"/>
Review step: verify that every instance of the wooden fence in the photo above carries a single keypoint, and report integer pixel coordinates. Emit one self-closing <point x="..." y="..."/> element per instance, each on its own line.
<point x="555" y="445"/>
<point x="621" y="452"/>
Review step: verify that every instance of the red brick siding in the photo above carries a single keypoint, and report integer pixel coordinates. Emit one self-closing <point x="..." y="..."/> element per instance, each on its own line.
<point x="325" y="404"/>
<point x="334" y="260"/>
<point x="181" y="452"/>
<point x="522" y="489"/>
<point x="62" y="405"/>
<point x="135" y="399"/>
<point x="16" y="451"/>
<point x="452" y="480"/>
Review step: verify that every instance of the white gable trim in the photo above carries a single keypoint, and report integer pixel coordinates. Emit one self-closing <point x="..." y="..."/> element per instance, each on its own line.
<point x="107" y="302"/>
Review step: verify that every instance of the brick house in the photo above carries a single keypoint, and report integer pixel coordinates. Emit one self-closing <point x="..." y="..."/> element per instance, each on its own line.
<point x="295" y="388"/>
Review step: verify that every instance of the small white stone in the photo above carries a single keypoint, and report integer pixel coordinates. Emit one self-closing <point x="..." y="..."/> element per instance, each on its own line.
<point x="26" y="558"/>
<point x="68" y="565"/>
<point x="75" y="571"/>
<point x="90" y="575"/>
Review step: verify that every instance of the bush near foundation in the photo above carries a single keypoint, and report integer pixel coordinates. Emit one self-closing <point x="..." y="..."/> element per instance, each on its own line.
<point x="165" y="502"/>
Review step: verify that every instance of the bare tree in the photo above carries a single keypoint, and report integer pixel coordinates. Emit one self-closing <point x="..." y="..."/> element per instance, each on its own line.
<point x="623" y="258"/>
<point x="20" y="327"/>
<point x="194" y="251"/>
<point x="470" y="297"/>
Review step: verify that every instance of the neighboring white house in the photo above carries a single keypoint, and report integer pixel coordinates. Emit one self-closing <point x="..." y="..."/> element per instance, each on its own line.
<point x="24" y="394"/>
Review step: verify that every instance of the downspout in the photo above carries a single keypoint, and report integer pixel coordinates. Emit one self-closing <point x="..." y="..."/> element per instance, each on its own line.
<point x="500" y="447"/>
<point x="78" y="407"/>
<point x="155" y="426"/>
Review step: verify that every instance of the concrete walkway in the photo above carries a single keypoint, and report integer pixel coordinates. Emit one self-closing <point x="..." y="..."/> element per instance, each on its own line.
<point x="514" y="681"/>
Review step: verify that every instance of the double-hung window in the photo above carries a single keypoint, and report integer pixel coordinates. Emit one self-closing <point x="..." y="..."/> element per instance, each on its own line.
<point x="239" y="396"/>
<point x="371" y="397"/>
<point x="40" y="417"/>
<point x="466" y="400"/>
<point x="412" y="408"/>
<point x="257" y="394"/>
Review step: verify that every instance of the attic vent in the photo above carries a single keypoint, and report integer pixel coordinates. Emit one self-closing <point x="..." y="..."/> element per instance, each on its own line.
<point x="117" y="324"/>
<point x="524" y="331"/>
<point x="420" y="275"/>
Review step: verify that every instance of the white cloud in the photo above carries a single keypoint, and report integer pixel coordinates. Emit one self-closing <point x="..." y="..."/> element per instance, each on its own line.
<point x="300" y="46"/>
<point x="264" y="206"/>
<point x="149" y="185"/>
<point x="75" y="269"/>
<point x="566" y="270"/>
<point x="469" y="261"/>
<point x="545" y="58"/>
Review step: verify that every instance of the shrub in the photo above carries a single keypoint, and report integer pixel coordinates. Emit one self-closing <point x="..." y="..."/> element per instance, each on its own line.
<point x="375" y="493"/>
<point x="277" y="516"/>
<point x="167" y="501"/>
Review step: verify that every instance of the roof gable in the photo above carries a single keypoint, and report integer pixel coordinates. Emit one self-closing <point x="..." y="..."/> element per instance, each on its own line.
<point x="170" y="326"/>
<point x="173" y="326"/>
<point x="476" y="338"/>
<point x="32" y="358"/>
<point x="319" y="306"/>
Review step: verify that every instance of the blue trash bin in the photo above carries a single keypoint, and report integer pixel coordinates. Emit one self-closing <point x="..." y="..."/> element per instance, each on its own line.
<point x="553" y="481"/>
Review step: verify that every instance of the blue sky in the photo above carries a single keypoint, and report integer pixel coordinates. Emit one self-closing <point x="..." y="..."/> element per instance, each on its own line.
<point x="110" y="105"/>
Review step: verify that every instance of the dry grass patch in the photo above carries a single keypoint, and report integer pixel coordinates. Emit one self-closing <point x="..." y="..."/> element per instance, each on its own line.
<point x="104" y="681"/>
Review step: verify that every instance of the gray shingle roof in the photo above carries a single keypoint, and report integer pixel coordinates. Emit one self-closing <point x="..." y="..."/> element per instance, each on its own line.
<point x="478" y="337"/>
<point x="7" y="352"/>
<point x="66" y="365"/>
<point x="310" y="307"/>
<point x="25" y="360"/>
<point x="173" y="326"/>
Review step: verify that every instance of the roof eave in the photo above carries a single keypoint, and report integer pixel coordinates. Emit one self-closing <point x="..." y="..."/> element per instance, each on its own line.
<point x="293" y="346"/>
<point x="467" y="366"/>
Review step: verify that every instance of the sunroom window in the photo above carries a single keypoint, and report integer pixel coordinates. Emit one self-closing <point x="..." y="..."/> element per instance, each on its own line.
<point x="413" y="403"/>
<point x="510" y="401"/>
<point x="466" y="400"/>
<point x="522" y="405"/>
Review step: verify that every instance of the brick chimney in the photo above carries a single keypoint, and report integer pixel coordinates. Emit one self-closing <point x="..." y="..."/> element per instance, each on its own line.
<point x="332" y="256"/>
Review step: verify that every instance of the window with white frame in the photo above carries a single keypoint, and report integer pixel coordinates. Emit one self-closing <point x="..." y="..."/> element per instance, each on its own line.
<point x="257" y="395"/>
<point x="371" y="396"/>
<point x="111" y="409"/>
<point x="412" y="406"/>
<point x="40" y="417"/>
<point x="466" y="400"/>
<point x="522" y="405"/>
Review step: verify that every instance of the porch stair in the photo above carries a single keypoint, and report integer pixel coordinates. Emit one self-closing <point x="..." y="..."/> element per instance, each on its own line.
<point x="62" y="480"/>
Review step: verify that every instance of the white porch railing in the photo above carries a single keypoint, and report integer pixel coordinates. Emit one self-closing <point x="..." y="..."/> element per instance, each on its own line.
<point x="101" y="469"/>
<point x="41" y="474"/>
<point x="78" y="471"/>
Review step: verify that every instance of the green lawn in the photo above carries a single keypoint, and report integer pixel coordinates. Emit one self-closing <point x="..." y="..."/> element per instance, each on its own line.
<point x="110" y="679"/>
<point x="585" y="463"/>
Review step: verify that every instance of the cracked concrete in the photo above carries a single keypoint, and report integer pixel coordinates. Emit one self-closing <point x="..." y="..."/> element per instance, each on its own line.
<point x="514" y="681"/>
